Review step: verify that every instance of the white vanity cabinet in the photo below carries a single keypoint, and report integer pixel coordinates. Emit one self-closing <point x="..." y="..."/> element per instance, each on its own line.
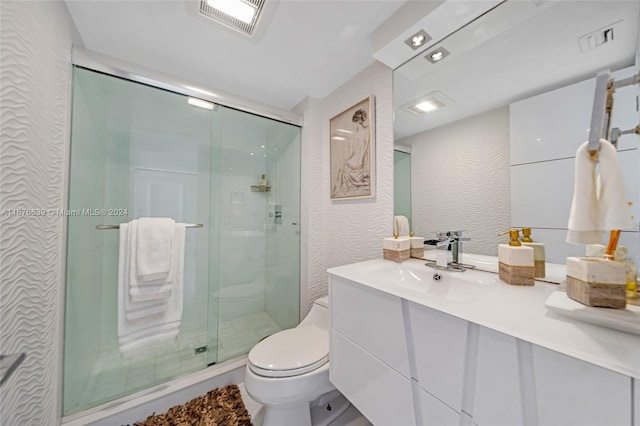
<point x="571" y="392"/>
<point x="521" y="383"/>
<point x="368" y="352"/>
<point x="497" y="398"/>
<point x="372" y="320"/>
<point x="403" y="363"/>
<point x="439" y="343"/>
<point x="374" y="388"/>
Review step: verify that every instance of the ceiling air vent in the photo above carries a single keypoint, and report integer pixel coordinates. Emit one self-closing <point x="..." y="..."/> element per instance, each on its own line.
<point x="597" y="38"/>
<point x="244" y="24"/>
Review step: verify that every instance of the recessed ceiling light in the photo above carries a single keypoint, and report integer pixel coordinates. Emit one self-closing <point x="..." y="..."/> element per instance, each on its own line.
<point x="338" y="138"/>
<point x="426" y="106"/>
<point x="427" y="103"/>
<point x="437" y="55"/>
<point x="235" y="8"/>
<point x="200" y="103"/>
<point x="418" y="39"/>
<point x="344" y="131"/>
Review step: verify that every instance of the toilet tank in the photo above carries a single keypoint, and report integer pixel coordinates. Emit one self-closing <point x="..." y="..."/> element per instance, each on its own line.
<point x="319" y="314"/>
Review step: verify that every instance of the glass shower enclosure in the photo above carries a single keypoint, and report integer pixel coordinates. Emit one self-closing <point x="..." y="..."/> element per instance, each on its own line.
<point x="140" y="151"/>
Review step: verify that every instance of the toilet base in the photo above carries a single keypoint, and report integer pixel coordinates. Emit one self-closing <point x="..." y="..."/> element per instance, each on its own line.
<point x="318" y="413"/>
<point x="328" y="408"/>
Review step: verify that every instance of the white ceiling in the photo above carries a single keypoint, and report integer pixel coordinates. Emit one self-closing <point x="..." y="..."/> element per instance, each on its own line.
<point x="311" y="47"/>
<point x="308" y="48"/>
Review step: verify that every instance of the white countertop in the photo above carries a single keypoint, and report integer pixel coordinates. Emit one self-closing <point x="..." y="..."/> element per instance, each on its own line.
<point x="518" y="311"/>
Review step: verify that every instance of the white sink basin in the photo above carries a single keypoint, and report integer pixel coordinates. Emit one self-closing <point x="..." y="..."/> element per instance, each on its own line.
<point x="415" y="275"/>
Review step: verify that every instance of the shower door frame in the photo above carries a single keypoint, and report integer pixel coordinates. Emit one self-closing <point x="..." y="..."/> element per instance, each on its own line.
<point x="117" y="68"/>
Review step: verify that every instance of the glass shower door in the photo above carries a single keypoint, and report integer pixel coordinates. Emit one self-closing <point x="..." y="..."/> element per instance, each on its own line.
<point x="139" y="151"/>
<point x="258" y="196"/>
<point x="136" y="151"/>
<point x="402" y="184"/>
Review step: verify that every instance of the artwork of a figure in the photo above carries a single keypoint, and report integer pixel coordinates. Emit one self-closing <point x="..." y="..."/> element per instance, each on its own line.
<point x="350" y="155"/>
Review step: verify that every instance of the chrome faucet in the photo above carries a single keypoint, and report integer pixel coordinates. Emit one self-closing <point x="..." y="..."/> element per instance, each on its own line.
<point x="453" y="241"/>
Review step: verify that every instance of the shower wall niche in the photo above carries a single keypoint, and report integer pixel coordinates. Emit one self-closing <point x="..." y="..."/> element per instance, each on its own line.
<point x="140" y="151"/>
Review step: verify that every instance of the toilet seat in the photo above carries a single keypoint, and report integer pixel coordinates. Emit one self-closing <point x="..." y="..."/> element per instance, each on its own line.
<point x="290" y="352"/>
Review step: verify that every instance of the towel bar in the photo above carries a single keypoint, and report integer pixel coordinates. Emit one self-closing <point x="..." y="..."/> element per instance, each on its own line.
<point x="188" y="225"/>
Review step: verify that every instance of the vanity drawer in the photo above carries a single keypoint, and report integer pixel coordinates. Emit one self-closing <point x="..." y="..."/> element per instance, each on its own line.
<point x="497" y="398"/>
<point x="440" y="345"/>
<point x="379" y="392"/>
<point x="371" y="319"/>
<point x="573" y="392"/>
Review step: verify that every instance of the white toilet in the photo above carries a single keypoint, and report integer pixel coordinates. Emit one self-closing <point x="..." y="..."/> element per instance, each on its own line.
<point x="288" y="373"/>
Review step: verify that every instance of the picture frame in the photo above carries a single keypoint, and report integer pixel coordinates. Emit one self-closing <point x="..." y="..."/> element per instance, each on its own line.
<point x="352" y="151"/>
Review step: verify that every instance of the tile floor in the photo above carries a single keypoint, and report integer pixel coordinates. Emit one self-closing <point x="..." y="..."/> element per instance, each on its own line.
<point x="112" y="377"/>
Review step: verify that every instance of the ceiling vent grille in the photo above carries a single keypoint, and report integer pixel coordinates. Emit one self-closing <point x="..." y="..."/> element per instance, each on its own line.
<point x="229" y="21"/>
<point x="597" y="38"/>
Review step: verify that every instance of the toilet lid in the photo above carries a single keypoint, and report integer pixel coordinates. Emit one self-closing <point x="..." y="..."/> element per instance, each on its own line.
<point x="290" y="352"/>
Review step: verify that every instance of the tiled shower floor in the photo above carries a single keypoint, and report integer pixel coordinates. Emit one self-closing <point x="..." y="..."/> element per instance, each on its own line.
<point x="113" y="377"/>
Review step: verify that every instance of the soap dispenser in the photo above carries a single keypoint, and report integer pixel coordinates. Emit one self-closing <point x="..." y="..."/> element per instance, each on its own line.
<point x="621" y="255"/>
<point x="538" y="253"/>
<point x="417" y="246"/>
<point x="397" y="248"/>
<point x="515" y="262"/>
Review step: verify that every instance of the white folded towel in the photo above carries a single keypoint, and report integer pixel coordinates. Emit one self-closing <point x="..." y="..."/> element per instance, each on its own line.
<point x="599" y="203"/>
<point x="152" y="290"/>
<point x="401" y="226"/>
<point x="154" y="237"/>
<point x="132" y="311"/>
<point x="148" y="324"/>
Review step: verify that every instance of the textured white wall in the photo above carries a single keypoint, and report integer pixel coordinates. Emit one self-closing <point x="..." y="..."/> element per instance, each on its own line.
<point x="341" y="232"/>
<point x="460" y="180"/>
<point x="35" y="51"/>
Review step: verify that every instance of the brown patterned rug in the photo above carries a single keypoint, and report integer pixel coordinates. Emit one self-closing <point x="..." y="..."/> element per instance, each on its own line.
<point x="220" y="407"/>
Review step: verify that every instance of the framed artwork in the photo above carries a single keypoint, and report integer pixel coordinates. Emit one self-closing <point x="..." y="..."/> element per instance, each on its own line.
<point x="352" y="151"/>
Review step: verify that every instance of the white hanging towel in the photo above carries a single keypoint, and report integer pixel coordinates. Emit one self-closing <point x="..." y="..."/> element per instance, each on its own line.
<point x="154" y="237"/>
<point x="401" y="226"/>
<point x="157" y="290"/>
<point x="153" y="324"/>
<point x="132" y="311"/>
<point x="599" y="203"/>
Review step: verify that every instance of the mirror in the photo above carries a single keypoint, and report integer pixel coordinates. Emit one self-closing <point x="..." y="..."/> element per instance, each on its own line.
<point x="511" y="101"/>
